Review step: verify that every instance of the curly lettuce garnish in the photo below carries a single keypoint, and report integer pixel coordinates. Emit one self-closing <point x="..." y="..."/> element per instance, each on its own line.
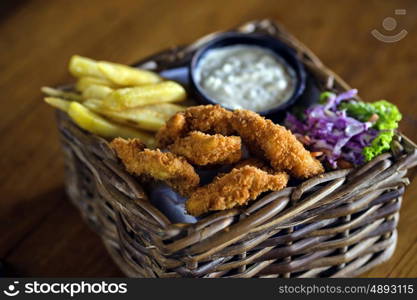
<point x="378" y="145"/>
<point x="388" y="114"/>
<point x="384" y="116"/>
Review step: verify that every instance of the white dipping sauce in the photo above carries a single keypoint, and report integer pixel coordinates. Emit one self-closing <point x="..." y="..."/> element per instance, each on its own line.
<point x="245" y="76"/>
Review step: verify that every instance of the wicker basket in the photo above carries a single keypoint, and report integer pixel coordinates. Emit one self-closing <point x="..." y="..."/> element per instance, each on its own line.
<point x="335" y="225"/>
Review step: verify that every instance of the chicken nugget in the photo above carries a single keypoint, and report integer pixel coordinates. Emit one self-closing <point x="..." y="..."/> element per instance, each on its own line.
<point x="174" y="170"/>
<point x="277" y="144"/>
<point x="204" y="149"/>
<point x="205" y="118"/>
<point x="209" y="119"/>
<point x="255" y="162"/>
<point x="234" y="189"/>
<point x="174" y="128"/>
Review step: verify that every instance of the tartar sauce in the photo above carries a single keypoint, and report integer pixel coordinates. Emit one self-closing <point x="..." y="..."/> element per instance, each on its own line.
<point x="245" y="76"/>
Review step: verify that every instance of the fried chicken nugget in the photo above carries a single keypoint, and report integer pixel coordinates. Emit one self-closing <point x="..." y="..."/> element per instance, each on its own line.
<point x="206" y="118"/>
<point x="255" y="162"/>
<point x="233" y="189"/>
<point x="204" y="149"/>
<point x="174" y="170"/>
<point x="174" y="128"/>
<point x="278" y="144"/>
<point x="209" y="119"/>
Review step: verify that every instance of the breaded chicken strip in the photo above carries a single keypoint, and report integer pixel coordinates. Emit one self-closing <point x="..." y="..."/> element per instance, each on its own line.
<point x="277" y="144"/>
<point x="255" y="162"/>
<point x="233" y="189"/>
<point x="174" y="170"/>
<point x="209" y="119"/>
<point x="206" y="118"/>
<point x="204" y="149"/>
<point x="174" y="128"/>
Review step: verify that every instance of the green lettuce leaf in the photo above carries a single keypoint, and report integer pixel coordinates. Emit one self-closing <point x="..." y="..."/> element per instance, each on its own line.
<point x="388" y="118"/>
<point x="388" y="113"/>
<point x="378" y="145"/>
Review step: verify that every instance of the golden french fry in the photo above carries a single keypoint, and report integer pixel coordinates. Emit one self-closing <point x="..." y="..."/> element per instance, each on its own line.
<point x="96" y="124"/>
<point x="127" y="76"/>
<point x="141" y="117"/>
<point x="96" y="92"/>
<point x="61" y="94"/>
<point x="167" y="91"/>
<point x="119" y="74"/>
<point x="80" y="66"/>
<point x="93" y="104"/>
<point x="166" y="109"/>
<point x="58" y="103"/>
<point x="84" y="83"/>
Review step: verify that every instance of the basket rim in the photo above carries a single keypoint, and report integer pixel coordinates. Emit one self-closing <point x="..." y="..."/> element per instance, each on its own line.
<point x="338" y="209"/>
<point x="181" y="54"/>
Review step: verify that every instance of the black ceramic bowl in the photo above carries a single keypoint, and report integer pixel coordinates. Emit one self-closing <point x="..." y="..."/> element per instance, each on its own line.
<point x="280" y="49"/>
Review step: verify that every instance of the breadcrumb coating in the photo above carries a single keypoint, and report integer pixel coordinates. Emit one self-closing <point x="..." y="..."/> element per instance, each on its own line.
<point x="235" y="188"/>
<point x="174" y="170"/>
<point x="210" y="119"/>
<point x="204" y="149"/>
<point x="276" y="143"/>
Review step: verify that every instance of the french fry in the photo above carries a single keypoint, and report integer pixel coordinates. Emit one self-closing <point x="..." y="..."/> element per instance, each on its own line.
<point x="96" y="124"/>
<point x="127" y="76"/>
<point x="58" y="103"/>
<point x="61" y="94"/>
<point x="119" y="74"/>
<point x="93" y="104"/>
<point x="167" y="91"/>
<point x="96" y="92"/>
<point x="80" y="66"/>
<point x="84" y="83"/>
<point x="147" y="117"/>
<point x="166" y="109"/>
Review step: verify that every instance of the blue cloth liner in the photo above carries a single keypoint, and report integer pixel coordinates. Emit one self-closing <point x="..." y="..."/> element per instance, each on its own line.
<point x="171" y="203"/>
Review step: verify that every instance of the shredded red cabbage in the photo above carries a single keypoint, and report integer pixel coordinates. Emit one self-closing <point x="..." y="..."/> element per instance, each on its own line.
<point x="329" y="130"/>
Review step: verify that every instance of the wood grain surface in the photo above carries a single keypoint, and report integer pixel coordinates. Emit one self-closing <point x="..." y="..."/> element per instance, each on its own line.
<point x="41" y="233"/>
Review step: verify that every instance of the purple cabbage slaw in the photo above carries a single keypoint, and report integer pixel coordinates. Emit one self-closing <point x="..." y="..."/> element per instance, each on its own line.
<point x="329" y="130"/>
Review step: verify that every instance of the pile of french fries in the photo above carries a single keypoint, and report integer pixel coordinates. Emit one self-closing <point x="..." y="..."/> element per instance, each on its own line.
<point x="114" y="100"/>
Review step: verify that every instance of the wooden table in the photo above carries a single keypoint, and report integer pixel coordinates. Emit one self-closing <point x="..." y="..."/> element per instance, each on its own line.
<point x="41" y="233"/>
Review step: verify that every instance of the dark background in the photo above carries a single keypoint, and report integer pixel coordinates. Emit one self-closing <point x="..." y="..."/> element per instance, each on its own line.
<point x="41" y="233"/>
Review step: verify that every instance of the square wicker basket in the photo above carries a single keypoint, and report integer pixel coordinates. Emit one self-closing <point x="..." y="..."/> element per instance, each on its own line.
<point x="337" y="224"/>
